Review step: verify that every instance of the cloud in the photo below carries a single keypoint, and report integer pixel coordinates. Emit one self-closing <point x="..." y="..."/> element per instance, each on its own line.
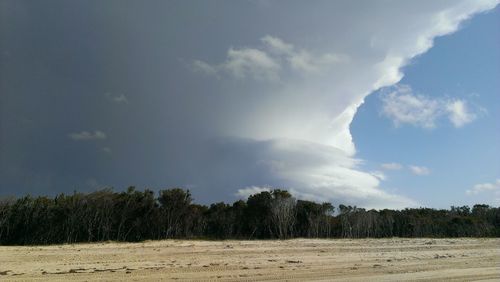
<point x="204" y="68"/>
<point x="305" y="62"/>
<point x="269" y="62"/>
<point x="248" y="191"/>
<point x="403" y="106"/>
<point x="419" y="170"/>
<point x="459" y="114"/>
<point x="119" y="99"/>
<point x="293" y="131"/>
<point x="322" y="173"/>
<point x="251" y="62"/>
<point x="277" y="45"/>
<point x="87" y="136"/>
<point x="485" y="187"/>
<point x="287" y="88"/>
<point x="392" y="166"/>
<point x="243" y="63"/>
<point x="379" y="174"/>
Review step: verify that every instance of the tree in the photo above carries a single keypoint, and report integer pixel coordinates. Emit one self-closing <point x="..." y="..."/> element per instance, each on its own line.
<point x="135" y="215"/>
<point x="174" y="206"/>
<point x="283" y="213"/>
<point x="257" y="215"/>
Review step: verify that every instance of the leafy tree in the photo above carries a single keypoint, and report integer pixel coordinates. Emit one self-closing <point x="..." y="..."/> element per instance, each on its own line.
<point x="174" y="206"/>
<point x="138" y="215"/>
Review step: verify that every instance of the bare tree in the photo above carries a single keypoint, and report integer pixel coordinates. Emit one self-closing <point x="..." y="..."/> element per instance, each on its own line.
<point x="283" y="213"/>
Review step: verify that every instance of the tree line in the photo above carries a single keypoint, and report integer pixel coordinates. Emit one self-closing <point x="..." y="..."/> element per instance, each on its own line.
<point x="140" y="215"/>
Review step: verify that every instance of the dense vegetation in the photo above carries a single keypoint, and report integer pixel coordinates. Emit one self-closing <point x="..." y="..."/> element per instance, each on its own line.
<point x="135" y="216"/>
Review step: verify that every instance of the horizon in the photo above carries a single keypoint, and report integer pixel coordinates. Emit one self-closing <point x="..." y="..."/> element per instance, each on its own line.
<point x="157" y="193"/>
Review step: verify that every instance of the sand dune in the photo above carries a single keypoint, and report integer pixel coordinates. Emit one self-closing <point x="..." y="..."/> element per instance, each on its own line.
<point x="395" y="259"/>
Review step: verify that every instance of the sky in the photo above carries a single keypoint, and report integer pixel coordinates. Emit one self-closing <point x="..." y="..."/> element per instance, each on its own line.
<point x="379" y="104"/>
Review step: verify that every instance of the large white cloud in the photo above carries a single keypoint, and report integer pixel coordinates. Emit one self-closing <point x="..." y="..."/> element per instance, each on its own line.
<point x="297" y="100"/>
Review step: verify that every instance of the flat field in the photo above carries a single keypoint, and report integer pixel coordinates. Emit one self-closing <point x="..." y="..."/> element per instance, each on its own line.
<point x="395" y="259"/>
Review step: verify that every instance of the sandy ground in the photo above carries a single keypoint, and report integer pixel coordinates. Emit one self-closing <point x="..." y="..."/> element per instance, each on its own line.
<point x="395" y="259"/>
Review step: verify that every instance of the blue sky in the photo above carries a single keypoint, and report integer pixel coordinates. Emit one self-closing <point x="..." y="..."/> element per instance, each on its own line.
<point x="464" y="65"/>
<point x="245" y="96"/>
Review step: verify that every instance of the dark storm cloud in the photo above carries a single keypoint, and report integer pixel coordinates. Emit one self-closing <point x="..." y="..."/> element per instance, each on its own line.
<point x="216" y="96"/>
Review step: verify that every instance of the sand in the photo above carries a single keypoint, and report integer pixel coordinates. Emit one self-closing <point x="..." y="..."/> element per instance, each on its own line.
<point x="396" y="259"/>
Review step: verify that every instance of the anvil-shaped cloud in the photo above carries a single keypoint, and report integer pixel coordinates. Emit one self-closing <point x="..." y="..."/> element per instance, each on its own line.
<point x="225" y="98"/>
<point x="300" y="113"/>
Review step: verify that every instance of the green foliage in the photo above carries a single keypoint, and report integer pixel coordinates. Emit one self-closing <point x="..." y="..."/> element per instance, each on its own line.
<point x="138" y="215"/>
